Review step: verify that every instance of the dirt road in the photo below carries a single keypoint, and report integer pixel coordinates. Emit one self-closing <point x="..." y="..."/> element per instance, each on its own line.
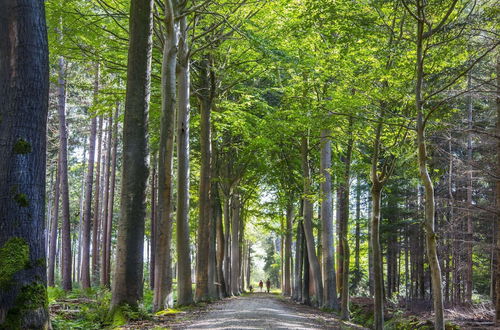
<point x="264" y="311"/>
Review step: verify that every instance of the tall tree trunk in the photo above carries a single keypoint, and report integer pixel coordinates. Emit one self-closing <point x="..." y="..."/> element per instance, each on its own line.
<point x="297" y="286"/>
<point x="308" y="230"/>
<point x="128" y="276"/>
<point x="66" y="282"/>
<point x="24" y="89"/>
<point x="111" y="202"/>
<point x="468" y="244"/>
<point x="343" y="209"/>
<point x="287" y="280"/>
<point x="235" y="246"/>
<point x="430" y="235"/>
<point x="163" y="296"/>
<point x="87" y="214"/>
<point x="95" y="220"/>
<point x="203" y="248"/>
<point x="357" y="267"/>
<point x="153" y="220"/>
<point x="220" y="240"/>
<point x="330" y="285"/>
<point x="227" y="244"/>
<point x="54" y="227"/>
<point x="497" y="285"/>
<point x="185" y="291"/>
<point x="105" y="229"/>
<point x="378" y="280"/>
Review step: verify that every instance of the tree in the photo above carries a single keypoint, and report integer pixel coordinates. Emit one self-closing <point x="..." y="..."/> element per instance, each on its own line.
<point x="24" y="91"/>
<point x="127" y="286"/>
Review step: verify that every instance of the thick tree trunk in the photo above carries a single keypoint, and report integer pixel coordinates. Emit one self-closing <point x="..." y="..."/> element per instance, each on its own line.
<point x="128" y="276"/>
<point x="297" y="285"/>
<point x="24" y="88"/>
<point x="95" y="220"/>
<point x="185" y="291"/>
<point x="66" y="282"/>
<point x="308" y="230"/>
<point x="203" y="249"/>
<point x="163" y="296"/>
<point x="378" y="279"/>
<point x="430" y="234"/>
<point x="152" y="248"/>
<point x="87" y="213"/>
<point x="227" y="244"/>
<point x="287" y="278"/>
<point x="235" y="246"/>
<point x="330" y="285"/>
<point x="54" y="228"/>
<point x="220" y="240"/>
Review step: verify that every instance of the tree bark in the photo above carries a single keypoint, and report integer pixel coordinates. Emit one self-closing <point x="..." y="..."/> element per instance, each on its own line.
<point x="105" y="229"/>
<point x="163" y="296"/>
<point x="431" y="239"/>
<point x="235" y="246"/>
<point x="185" y="291"/>
<point x="24" y="89"/>
<point x="287" y="281"/>
<point x="468" y="244"/>
<point x="308" y="230"/>
<point x="85" y="268"/>
<point x="330" y="285"/>
<point x="128" y="276"/>
<point x="95" y="220"/>
<point x="153" y="220"/>
<point x="66" y="282"/>
<point x="203" y="249"/>
<point x="497" y="285"/>
<point x="54" y="228"/>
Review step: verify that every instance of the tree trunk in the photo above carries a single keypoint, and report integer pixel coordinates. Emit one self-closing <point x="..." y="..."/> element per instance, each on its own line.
<point x="344" y="222"/>
<point x="330" y="285"/>
<point x="105" y="229"/>
<point x="24" y="89"/>
<point x="227" y="245"/>
<point x="235" y="246"/>
<point x="357" y="267"/>
<point x="497" y="285"/>
<point x="95" y="221"/>
<point x="203" y="248"/>
<point x="163" y="296"/>
<point x="297" y="286"/>
<point x="431" y="238"/>
<point x="54" y="227"/>
<point x="220" y="240"/>
<point x="152" y="248"/>
<point x="66" y="282"/>
<point x="111" y="201"/>
<point x="87" y="214"/>
<point x="468" y="241"/>
<point x="378" y="280"/>
<point x="308" y="230"/>
<point x="287" y="280"/>
<point x="127" y="285"/>
<point x="185" y="291"/>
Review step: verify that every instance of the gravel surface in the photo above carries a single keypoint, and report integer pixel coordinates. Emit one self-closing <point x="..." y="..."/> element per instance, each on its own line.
<point x="264" y="311"/>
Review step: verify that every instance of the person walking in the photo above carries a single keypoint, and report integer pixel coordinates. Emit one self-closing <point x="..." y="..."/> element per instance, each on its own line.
<point x="268" y="285"/>
<point x="261" y="285"/>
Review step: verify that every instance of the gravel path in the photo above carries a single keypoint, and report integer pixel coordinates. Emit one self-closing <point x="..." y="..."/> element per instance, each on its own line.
<point x="265" y="311"/>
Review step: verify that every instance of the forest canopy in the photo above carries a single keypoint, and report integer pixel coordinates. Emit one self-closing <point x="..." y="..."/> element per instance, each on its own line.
<point x="170" y="153"/>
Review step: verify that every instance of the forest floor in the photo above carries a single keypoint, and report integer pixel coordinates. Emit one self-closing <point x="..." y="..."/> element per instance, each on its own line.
<point x="250" y="311"/>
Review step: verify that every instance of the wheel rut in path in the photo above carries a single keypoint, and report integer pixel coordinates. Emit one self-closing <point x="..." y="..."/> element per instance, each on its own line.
<point x="264" y="311"/>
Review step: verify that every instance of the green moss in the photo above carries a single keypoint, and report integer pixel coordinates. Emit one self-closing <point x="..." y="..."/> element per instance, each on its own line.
<point x="31" y="297"/>
<point x="118" y="317"/>
<point x="22" y="147"/>
<point x="14" y="256"/>
<point x="21" y="200"/>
